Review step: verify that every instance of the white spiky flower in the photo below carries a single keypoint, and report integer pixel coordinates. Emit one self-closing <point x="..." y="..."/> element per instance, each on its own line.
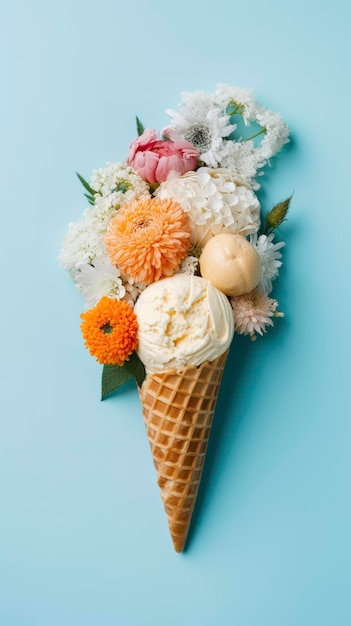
<point x="270" y="256"/>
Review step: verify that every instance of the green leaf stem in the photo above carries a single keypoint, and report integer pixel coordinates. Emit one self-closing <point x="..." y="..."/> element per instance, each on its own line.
<point x="91" y="199"/>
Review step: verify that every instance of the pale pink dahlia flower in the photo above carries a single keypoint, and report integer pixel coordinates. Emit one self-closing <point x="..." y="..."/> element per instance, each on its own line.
<point x="253" y="312"/>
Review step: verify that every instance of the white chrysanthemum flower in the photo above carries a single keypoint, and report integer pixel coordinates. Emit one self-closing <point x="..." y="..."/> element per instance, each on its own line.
<point x="205" y="132"/>
<point x="80" y="245"/>
<point x="270" y="256"/>
<point x="120" y="179"/>
<point x="189" y="265"/>
<point x="252" y="312"/>
<point x="214" y="203"/>
<point x="99" y="279"/>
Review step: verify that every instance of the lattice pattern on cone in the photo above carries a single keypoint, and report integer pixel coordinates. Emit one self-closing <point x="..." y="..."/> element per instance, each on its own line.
<point x="178" y="409"/>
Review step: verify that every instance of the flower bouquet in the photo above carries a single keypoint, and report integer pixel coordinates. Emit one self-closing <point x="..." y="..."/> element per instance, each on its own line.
<point x="171" y="257"/>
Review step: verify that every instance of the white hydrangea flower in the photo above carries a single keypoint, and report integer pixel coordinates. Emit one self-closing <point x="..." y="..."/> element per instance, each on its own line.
<point x="99" y="279"/>
<point x="214" y="203"/>
<point x="270" y="256"/>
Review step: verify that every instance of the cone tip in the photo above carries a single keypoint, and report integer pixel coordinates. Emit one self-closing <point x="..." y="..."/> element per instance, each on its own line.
<point x="178" y="543"/>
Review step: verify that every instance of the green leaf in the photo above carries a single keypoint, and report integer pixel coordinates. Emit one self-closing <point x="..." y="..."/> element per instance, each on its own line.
<point x="140" y="127"/>
<point x="136" y="368"/>
<point x="113" y="376"/>
<point x="86" y="185"/>
<point x="91" y="200"/>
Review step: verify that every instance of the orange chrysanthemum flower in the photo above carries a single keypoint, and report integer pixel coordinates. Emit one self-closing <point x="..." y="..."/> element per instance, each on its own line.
<point x="109" y="330"/>
<point x="148" y="238"/>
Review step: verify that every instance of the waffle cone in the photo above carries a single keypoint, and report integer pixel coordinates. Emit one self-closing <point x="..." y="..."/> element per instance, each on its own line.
<point x="178" y="410"/>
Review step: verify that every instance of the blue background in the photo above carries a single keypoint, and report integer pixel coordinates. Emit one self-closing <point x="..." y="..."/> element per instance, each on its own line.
<point x="83" y="536"/>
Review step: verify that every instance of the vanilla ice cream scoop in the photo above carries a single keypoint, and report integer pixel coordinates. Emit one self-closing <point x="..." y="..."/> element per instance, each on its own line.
<point x="183" y="320"/>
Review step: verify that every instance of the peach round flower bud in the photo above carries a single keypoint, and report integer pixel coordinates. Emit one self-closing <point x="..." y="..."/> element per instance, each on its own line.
<point x="156" y="160"/>
<point x="231" y="264"/>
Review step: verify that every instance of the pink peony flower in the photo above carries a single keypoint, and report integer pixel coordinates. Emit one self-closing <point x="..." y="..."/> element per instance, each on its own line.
<point x="156" y="160"/>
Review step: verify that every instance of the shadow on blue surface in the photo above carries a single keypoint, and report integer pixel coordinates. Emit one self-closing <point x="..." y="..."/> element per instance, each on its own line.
<point x="234" y="371"/>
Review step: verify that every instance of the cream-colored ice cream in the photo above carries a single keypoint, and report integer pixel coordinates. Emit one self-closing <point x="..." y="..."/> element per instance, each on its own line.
<point x="231" y="263"/>
<point x="183" y="320"/>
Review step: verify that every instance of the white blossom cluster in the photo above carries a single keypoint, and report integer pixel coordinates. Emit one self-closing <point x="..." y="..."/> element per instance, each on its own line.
<point x="83" y="252"/>
<point x="218" y="195"/>
<point x="119" y="178"/>
<point x="206" y="121"/>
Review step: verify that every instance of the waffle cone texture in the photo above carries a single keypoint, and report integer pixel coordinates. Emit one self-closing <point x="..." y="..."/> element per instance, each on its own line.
<point x="178" y="410"/>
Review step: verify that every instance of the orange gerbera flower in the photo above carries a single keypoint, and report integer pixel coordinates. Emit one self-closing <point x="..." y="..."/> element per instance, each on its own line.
<point x="109" y="330"/>
<point x="148" y="238"/>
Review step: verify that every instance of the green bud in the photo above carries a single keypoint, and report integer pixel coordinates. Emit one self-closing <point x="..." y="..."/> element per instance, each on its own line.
<point x="277" y="215"/>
